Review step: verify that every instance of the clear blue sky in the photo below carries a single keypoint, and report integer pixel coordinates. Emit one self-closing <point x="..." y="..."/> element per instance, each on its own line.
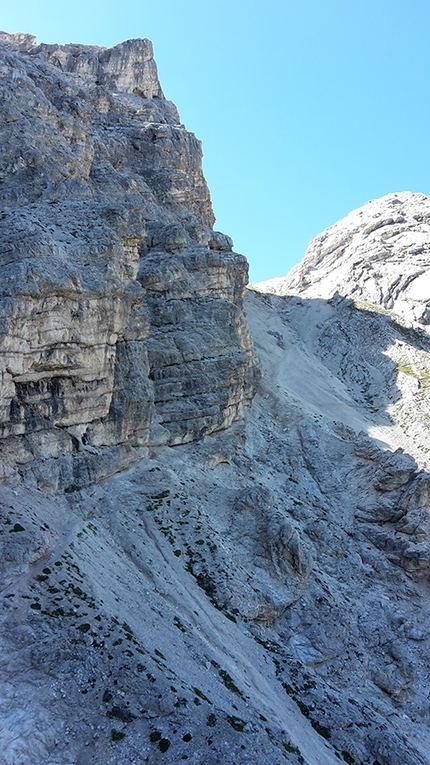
<point x="306" y="108"/>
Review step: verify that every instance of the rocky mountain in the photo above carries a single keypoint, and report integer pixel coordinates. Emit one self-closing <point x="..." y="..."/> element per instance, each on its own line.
<point x="379" y="254"/>
<point x="199" y="562"/>
<point x="122" y="322"/>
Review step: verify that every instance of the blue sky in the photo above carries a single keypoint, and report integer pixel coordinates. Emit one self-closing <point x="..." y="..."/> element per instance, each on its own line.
<point x="306" y="108"/>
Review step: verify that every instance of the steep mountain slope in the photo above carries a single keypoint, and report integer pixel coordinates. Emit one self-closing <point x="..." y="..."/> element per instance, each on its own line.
<point x="121" y="307"/>
<point x="379" y="258"/>
<point x="379" y="254"/>
<point x="249" y="590"/>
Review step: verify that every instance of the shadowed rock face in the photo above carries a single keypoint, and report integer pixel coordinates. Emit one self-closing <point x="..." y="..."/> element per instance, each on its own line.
<point x="121" y="308"/>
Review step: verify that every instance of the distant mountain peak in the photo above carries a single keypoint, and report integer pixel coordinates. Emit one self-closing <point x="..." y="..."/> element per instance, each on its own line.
<point x="379" y="253"/>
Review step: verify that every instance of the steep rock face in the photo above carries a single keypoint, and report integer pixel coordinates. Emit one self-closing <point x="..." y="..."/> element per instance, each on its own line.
<point x="121" y="308"/>
<point x="348" y="357"/>
<point x="261" y="592"/>
<point x="379" y="254"/>
<point x="128" y="67"/>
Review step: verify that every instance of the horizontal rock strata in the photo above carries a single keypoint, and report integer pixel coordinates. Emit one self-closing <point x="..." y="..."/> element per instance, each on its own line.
<point x="121" y="308"/>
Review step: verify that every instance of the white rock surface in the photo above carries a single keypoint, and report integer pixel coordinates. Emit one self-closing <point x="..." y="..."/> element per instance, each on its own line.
<point x="379" y="254"/>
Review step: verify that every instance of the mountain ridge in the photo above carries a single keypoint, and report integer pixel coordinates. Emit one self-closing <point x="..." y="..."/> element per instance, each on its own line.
<point x="364" y="256"/>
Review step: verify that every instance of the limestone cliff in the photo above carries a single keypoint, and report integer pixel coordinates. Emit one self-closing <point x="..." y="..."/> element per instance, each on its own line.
<point x="242" y="594"/>
<point x="121" y="308"/>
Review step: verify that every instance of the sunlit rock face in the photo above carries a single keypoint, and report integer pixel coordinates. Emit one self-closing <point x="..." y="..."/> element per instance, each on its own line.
<point x="251" y="590"/>
<point x="121" y="308"/>
<point x="128" y="67"/>
<point x="379" y="254"/>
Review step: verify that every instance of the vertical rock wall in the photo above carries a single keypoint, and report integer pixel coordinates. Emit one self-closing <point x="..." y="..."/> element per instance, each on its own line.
<point x="121" y="308"/>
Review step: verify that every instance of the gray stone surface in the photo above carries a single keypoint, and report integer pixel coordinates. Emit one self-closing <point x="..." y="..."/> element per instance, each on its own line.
<point x="121" y="308"/>
<point x="377" y="255"/>
<point x="179" y="582"/>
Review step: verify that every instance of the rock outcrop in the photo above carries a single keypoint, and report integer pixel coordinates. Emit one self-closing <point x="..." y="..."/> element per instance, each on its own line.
<point x="378" y="254"/>
<point x="235" y="589"/>
<point x="121" y="308"/>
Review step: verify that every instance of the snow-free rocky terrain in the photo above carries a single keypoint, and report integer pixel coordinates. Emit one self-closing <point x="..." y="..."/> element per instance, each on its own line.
<point x="206" y="557"/>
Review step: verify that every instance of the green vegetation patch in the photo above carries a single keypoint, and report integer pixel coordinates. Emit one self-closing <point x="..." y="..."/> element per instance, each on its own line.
<point x="177" y="622"/>
<point x="294" y="750"/>
<point x="370" y="307"/>
<point x="202" y="695"/>
<point x="161" y="495"/>
<point x="402" y="366"/>
<point x="322" y="730"/>
<point x="16" y="528"/>
<point x="236" y="723"/>
<point x="347" y="757"/>
<point x="229" y="684"/>
<point x="84" y="627"/>
<point x="422" y="375"/>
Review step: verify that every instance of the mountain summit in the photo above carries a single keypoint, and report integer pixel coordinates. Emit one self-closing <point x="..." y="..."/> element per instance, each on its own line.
<point x="379" y="253"/>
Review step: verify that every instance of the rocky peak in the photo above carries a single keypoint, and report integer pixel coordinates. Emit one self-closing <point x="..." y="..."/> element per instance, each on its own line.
<point x="19" y="41"/>
<point x="180" y="581"/>
<point x="378" y="254"/>
<point x="128" y="67"/>
<point x="121" y="307"/>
